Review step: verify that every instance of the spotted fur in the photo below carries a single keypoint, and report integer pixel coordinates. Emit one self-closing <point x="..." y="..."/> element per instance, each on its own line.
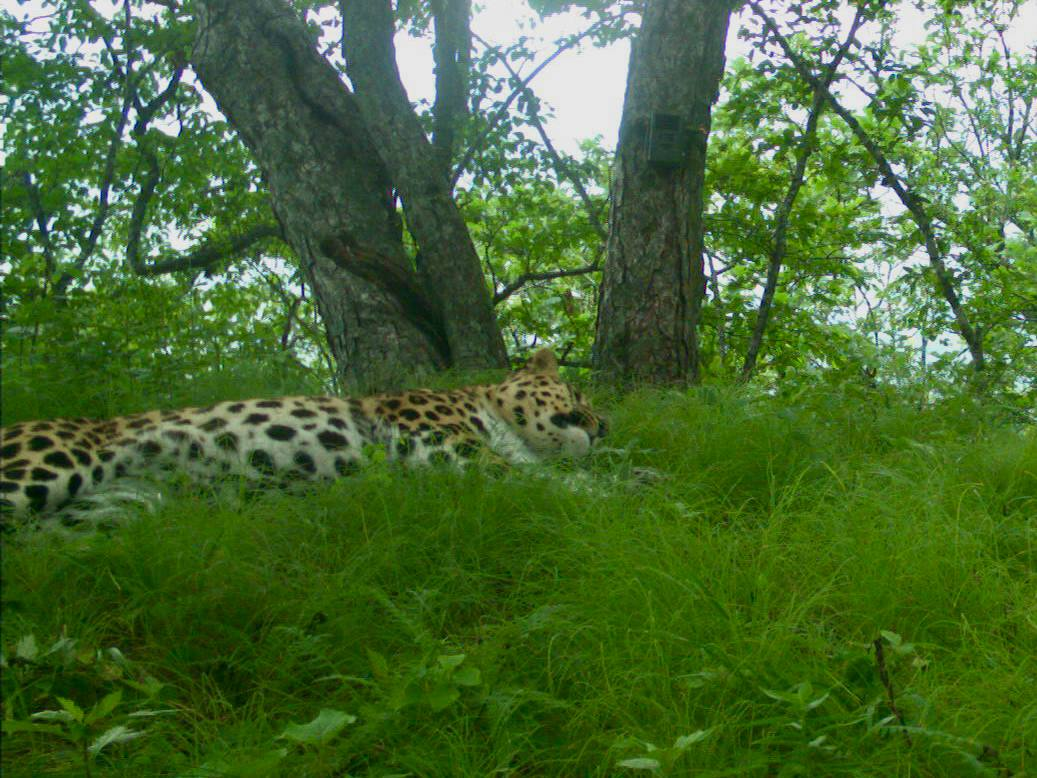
<point x="531" y="415"/>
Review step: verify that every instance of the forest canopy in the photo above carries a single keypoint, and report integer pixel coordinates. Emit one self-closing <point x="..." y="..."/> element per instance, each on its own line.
<point x="870" y="200"/>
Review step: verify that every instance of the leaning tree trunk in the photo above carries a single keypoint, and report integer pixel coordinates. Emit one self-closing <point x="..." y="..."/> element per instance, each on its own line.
<point x="653" y="283"/>
<point x="328" y="187"/>
<point x="447" y="262"/>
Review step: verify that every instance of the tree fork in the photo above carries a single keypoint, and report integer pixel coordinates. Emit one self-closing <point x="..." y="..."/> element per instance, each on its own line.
<point x="448" y="265"/>
<point x="326" y="181"/>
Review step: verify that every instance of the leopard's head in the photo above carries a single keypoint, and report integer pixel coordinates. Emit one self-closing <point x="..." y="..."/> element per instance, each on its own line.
<point x="551" y="416"/>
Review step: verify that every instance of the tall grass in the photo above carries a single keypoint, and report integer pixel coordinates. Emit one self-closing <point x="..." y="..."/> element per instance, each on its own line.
<point x="821" y="585"/>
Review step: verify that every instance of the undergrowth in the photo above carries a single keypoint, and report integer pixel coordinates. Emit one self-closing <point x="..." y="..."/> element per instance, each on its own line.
<point x="826" y="584"/>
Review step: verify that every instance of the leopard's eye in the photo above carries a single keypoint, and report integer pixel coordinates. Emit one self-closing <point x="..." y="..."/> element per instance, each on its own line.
<point x="573" y="418"/>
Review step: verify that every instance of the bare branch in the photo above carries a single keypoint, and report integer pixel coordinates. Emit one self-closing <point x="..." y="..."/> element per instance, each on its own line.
<point x="513" y="286"/>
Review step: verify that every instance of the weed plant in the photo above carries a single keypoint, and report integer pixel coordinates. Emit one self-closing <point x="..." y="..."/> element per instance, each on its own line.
<point x="834" y="583"/>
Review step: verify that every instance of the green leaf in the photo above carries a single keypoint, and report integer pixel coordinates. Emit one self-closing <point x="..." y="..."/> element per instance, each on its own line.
<point x="63" y="645"/>
<point x="26" y="648"/>
<point x="104" y="707"/>
<point x="321" y="730"/>
<point x="54" y="715"/>
<point x="641" y="763"/>
<point x="117" y="734"/>
<point x="442" y="696"/>
<point x="10" y="727"/>
<point x="891" y="637"/>
<point x="74" y="710"/>
<point x="781" y="696"/>
<point x="451" y="660"/>
<point x="467" y="676"/>
<point x="684" y="741"/>
<point x="379" y="667"/>
<point x="144" y="714"/>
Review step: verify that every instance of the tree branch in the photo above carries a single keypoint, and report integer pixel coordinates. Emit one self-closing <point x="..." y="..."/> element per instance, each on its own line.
<point x="209" y="254"/>
<point x="477" y="144"/>
<point x="513" y="286"/>
<point x="781" y="220"/>
<point x="562" y="168"/>
<point x="452" y="52"/>
<point x="41" y="218"/>
<point x="88" y="245"/>
<point x="145" y="113"/>
<point x="944" y="278"/>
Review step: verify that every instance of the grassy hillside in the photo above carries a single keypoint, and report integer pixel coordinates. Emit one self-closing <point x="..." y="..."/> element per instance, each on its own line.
<point x="822" y="585"/>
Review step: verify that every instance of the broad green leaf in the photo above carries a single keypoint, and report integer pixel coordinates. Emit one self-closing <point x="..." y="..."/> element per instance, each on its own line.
<point x="319" y="731"/>
<point x="104" y="707"/>
<point x="684" y="741"/>
<point x="451" y="660"/>
<point x="467" y="676"/>
<point x="442" y="696"/>
<point x="26" y="648"/>
<point x="74" y="710"/>
<point x="641" y="763"/>
<point x="117" y="734"/>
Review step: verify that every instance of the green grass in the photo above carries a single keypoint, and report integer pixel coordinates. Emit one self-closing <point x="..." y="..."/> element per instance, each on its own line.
<point x="738" y="595"/>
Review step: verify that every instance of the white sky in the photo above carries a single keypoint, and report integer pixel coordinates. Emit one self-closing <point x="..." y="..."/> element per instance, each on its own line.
<point x="585" y="85"/>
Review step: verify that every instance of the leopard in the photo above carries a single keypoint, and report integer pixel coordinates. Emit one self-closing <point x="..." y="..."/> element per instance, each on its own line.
<point x="531" y="416"/>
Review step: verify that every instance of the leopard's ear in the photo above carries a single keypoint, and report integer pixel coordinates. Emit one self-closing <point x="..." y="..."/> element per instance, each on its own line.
<point x="543" y="362"/>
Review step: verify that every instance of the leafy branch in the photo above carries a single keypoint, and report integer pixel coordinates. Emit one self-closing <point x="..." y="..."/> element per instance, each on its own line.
<point x="807" y="144"/>
<point x="513" y="286"/>
<point x="972" y="336"/>
<point x="520" y="88"/>
<point x="563" y="169"/>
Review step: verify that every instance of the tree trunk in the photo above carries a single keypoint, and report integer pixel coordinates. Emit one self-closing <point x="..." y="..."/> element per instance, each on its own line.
<point x="327" y="186"/>
<point x="452" y="51"/>
<point x="447" y="263"/>
<point x="653" y="281"/>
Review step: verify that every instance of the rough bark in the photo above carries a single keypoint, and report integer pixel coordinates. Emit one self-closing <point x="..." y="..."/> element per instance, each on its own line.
<point x="327" y="186"/>
<point x="453" y="56"/>
<point x="653" y="281"/>
<point x="447" y="262"/>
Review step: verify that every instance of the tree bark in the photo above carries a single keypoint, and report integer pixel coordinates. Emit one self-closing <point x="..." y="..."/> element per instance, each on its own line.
<point x="447" y="262"/>
<point x="327" y="186"/>
<point x="452" y="52"/>
<point x="653" y="282"/>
